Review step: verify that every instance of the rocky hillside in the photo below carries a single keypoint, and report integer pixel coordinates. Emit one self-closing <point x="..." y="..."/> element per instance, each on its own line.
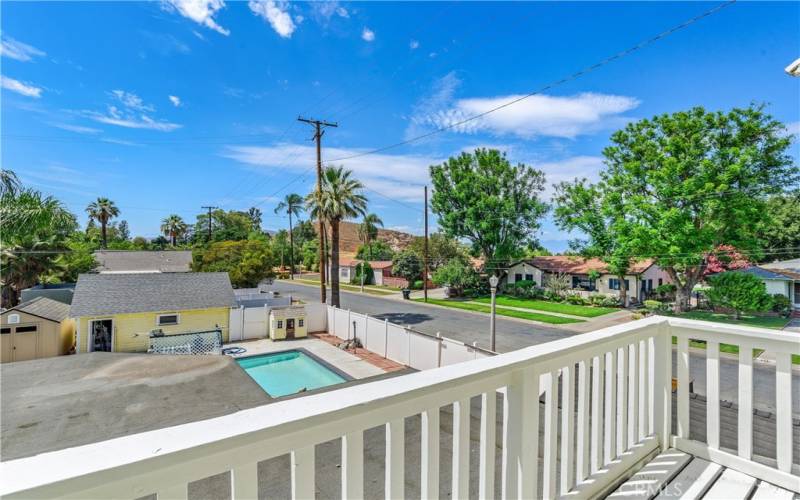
<point x="349" y="241"/>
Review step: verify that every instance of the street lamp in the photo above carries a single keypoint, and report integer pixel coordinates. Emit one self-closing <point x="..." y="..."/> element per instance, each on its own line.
<point x="493" y="284"/>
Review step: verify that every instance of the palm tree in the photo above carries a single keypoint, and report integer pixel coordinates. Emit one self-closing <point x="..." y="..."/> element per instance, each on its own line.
<point x="340" y="198"/>
<point x="9" y="182"/>
<point x="102" y="210"/>
<point x="368" y="231"/>
<point x="292" y="205"/>
<point x="173" y="227"/>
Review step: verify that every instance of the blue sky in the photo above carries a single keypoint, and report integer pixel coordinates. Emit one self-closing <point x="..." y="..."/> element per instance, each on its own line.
<point x="164" y="107"/>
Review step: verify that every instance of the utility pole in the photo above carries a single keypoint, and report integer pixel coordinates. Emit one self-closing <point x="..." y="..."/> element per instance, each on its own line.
<point x="209" y="220"/>
<point x="318" y="131"/>
<point x="425" y="275"/>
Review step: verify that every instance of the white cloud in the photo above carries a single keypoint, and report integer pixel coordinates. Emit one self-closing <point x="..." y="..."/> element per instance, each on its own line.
<point x="175" y="100"/>
<point x="276" y="14"/>
<point x="793" y="128"/>
<point x="133" y="113"/>
<point x="19" y="87"/>
<point x="75" y="128"/>
<point x="399" y="177"/>
<point x="199" y="11"/>
<point x="322" y="12"/>
<point x="569" y="169"/>
<point x="131" y="100"/>
<point x="538" y="115"/>
<point x="413" y="44"/>
<point x="18" y="50"/>
<point x="367" y="35"/>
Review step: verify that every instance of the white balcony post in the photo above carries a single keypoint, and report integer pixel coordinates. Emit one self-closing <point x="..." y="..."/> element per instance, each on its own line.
<point x="353" y="465"/>
<point x="661" y="345"/>
<point x="745" y="440"/>
<point x="395" y="459"/>
<point x="487" y="449"/>
<point x="302" y="462"/>
<point x="244" y="483"/>
<point x="521" y="435"/>
<point x="460" y="488"/>
<point x="429" y="463"/>
<point x="712" y="394"/>
<point x="783" y="397"/>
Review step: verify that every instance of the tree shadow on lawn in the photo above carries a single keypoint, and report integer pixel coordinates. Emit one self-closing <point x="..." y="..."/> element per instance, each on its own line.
<point x="404" y="318"/>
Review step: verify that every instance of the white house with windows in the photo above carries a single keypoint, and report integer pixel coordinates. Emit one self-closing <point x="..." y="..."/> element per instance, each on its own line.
<point x="590" y="275"/>
<point x="781" y="277"/>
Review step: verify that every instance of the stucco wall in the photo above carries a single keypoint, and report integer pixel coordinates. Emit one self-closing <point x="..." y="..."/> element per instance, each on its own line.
<point x="776" y="286"/>
<point x="131" y="331"/>
<point x="524" y="268"/>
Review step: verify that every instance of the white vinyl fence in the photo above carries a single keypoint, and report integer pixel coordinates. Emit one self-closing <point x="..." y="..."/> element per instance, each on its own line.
<point x="418" y="350"/>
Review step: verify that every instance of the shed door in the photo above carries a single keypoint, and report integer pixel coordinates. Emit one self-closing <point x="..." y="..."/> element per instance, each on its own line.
<point x="6" y="344"/>
<point x="25" y="338"/>
<point x="290" y="328"/>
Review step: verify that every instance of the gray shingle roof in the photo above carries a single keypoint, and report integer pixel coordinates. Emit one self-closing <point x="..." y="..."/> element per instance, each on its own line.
<point x="103" y="294"/>
<point x="765" y="274"/>
<point x="44" y="308"/>
<point x="166" y="261"/>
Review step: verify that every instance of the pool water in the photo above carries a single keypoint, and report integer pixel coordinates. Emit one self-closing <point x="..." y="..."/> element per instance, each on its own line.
<point x="284" y="373"/>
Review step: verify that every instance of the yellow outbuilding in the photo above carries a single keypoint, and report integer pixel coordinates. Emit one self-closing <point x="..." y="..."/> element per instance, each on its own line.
<point x="118" y="312"/>
<point x="288" y="322"/>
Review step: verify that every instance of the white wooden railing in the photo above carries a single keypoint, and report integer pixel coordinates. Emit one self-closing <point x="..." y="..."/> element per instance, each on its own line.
<point x="606" y="407"/>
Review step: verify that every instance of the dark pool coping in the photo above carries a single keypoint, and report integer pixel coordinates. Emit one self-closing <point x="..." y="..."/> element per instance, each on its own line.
<point x="346" y="376"/>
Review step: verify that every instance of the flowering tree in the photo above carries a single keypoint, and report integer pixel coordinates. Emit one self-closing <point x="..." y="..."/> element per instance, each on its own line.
<point x="725" y="258"/>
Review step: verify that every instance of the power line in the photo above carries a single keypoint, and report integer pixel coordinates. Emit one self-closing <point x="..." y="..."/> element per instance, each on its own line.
<point x="573" y="76"/>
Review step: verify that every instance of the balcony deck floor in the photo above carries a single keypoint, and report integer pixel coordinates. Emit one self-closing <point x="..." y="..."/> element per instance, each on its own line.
<point x="675" y="474"/>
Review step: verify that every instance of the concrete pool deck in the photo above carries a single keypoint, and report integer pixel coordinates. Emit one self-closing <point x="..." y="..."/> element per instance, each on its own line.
<point x="339" y="358"/>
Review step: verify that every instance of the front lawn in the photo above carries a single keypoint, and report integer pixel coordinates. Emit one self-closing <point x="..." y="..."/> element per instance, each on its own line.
<point x="544" y="318"/>
<point x="776" y="323"/>
<point x="546" y="305"/>
<point x="373" y="289"/>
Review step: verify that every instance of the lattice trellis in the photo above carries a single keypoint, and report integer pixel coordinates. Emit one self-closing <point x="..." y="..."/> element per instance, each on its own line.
<point x="208" y="342"/>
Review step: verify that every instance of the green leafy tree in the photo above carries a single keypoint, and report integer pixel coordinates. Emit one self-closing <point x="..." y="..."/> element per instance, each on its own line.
<point x="123" y="232"/>
<point x="291" y="205"/>
<point x="173" y="227"/>
<point x="78" y="259"/>
<point x="558" y="284"/>
<point x="367" y="232"/>
<point x="35" y="229"/>
<point x="310" y="255"/>
<point x="742" y="292"/>
<point x="340" y="198"/>
<point x="483" y="198"/>
<point x="677" y="186"/>
<point x="102" y="210"/>
<point x="407" y="265"/>
<point x="582" y="206"/>
<point x="441" y="250"/>
<point x="457" y="275"/>
<point x="255" y="217"/>
<point x="140" y="243"/>
<point x="376" y="250"/>
<point x="363" y="275"/>
<point x="780" y="232"/>
<point x="225" y="226"/>
<point x="247" y="262"/>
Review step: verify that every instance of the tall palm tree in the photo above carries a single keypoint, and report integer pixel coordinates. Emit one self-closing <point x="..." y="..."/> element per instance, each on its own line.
<point x="340" y="198"/>
<point x="173" y="227"/>
<point x="102" y="210"/>
<point x="292" y="205"/>
<point x="368" y="231"/>
<point x="9" y="182"/>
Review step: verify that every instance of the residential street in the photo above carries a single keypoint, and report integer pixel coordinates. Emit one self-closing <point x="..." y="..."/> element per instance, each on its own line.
<point x="511" y="335"/>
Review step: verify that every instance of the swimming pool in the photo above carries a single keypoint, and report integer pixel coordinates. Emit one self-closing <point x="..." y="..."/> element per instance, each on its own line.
<point x="288" y="372"/>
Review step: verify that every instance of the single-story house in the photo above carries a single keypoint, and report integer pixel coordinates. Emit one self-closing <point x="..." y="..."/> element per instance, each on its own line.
<point x="781" y="277"/>
<point x="347" y="270"/>
<point x="117" y="312"/>
<point x="143" y="261"/>
<point x="643" y="277"/>
<point x="38" y="328"/>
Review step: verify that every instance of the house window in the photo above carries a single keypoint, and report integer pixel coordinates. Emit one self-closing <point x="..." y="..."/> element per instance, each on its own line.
<point x="25" y="329"/>
<point x="13" y="318"/>
<point x="280" y="324"/>
<point x="528" y="277"/>
<point x="660" y="281"/>
<point x="299" y="322"/>
<point x="517" y="277"/>
<point x="5" y="330"/>
<point x="613" y="284"/>
<point x="167" y="319"/>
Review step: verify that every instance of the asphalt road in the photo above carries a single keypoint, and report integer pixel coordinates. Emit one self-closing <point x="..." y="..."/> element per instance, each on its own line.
<point x="512" y="335"/>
